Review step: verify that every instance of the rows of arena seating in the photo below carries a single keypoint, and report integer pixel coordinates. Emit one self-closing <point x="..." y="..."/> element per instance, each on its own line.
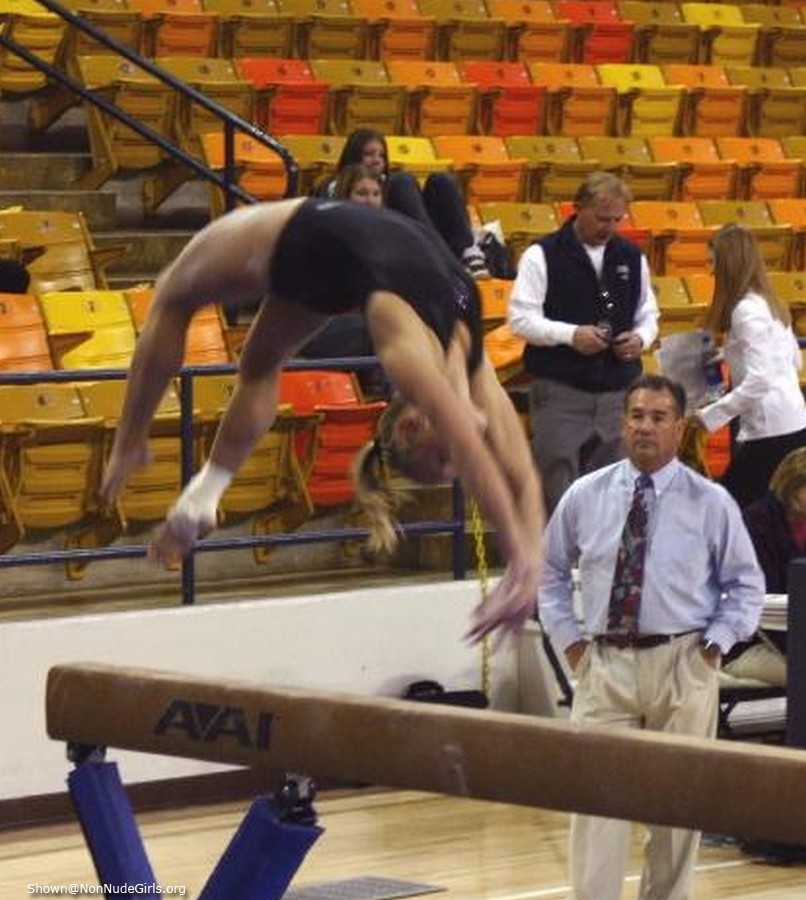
<point x="700" y="107"/>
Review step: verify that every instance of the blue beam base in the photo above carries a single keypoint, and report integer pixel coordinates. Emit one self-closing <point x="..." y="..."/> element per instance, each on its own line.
<point x="109" y="826"/>
<point x="261" y="858"/>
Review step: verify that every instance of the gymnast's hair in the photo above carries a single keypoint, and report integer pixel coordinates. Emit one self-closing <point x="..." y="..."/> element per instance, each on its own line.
<point x="373" y="482"/>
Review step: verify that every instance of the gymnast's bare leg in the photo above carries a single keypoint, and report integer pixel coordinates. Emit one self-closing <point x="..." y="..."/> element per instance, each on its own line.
<point x="278" y="331"/>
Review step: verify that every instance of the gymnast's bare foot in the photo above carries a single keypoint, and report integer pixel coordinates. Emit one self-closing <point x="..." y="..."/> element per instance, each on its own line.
<point x="177" y="536"/>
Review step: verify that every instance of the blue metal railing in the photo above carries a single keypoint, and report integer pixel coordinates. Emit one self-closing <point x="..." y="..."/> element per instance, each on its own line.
<point x="454" y="526"/>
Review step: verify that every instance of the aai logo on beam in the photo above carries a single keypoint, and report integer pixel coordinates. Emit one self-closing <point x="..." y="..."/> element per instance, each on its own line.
<point x="208" y="722"/>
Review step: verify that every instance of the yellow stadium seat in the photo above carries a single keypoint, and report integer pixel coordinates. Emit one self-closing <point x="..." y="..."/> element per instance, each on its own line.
<point x="465" y="29"/>
<point x="727" y="40"/>
<point x="65" y="255"/>
<point x="522" y="224"/>
<point x="792" y="211"/>
<point x="775" y="107"/>
<point x="219" y="81"/>
<point x="415" y="155"/>
<point x="89" y="329"/>
<point x="117" y="19"/>
<point x="153" y="488"/>
<point x="40" y="32"/>
<point x="52" y="455"/>
<point x="554" y="166"/>
<point x="782" y="38"/>
<point x="647" y="105"/>
<point x="661" y="34"/>
<point x="252" y="28"/>
<point x="775" y="241"/>
<point x="327" y="29"/>
<point x="114" y="146"/>
<point x="679" y="311"/>
<point x="631" y="159"/>
<point x="361" y="95"/>
<point x="791" y="288"/>
<point x="316" y="155"/>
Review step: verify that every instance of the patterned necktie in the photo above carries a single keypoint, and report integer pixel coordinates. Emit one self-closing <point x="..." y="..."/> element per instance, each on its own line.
<point x="625" y="598"/>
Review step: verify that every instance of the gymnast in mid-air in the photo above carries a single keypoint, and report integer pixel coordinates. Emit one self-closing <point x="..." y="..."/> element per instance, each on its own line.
<point x="303" y="261"/>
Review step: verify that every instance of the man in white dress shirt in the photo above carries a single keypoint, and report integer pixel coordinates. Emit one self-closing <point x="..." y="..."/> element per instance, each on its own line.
<point x="700" y="591"/>
<point x="584" y="303"/>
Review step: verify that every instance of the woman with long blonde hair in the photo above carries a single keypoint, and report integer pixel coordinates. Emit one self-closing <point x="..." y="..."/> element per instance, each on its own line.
<point x="763" y="360"/>
<point x="306" y="261"/>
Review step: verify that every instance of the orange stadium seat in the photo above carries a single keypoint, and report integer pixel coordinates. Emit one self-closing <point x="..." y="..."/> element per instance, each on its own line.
<point x="679" y="239"/>
<point x="713" y="107"/>
<point x="601" y="36"/>
<point x="792" y="211"/>
<point x="398" y="29"/>
<point x="178" y="28"/>
<point x="288" y="98"/>
<point x="438" y="101"/>
<point x="23" y="338"/>
<point x="534" y="33"/>
<point x="508" y="101"/>
<point x="702" y="173"/>
<point x="577" y="102"/>
<point x="764" y="170"/>
<point x="485" y="168"/>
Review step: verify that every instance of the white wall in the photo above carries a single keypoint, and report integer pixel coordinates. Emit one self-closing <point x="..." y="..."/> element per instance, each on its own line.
<point x="370" y="641"/>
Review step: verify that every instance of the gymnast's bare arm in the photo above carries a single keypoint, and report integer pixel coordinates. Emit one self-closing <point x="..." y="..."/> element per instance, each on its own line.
<point x="227" y="262"/>
<point x="406" y="349"/>
<point x="510" y="447"/>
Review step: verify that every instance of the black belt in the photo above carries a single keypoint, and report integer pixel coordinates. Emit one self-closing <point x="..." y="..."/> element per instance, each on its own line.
<point x="637" y="641"/>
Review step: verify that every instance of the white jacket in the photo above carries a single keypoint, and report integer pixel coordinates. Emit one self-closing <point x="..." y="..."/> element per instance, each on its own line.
<point x="764" y="360"/>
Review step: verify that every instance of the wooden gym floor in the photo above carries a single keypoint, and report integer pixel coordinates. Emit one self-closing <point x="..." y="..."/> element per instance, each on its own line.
<point x="475" y="850"/>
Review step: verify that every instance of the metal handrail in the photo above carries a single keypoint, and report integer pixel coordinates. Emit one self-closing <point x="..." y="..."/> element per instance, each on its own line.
<point x="230" y="120"/>
<point x="454" y="526"/>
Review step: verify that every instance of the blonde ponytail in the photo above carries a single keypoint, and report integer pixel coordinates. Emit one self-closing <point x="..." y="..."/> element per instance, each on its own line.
<point x="372" y="480"/>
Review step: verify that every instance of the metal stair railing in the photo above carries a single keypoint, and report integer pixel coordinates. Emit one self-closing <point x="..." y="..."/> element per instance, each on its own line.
<point x="231" y="122"/>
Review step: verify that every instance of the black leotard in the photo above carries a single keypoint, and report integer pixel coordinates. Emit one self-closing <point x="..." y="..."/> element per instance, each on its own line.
<point x="333" y="254"/>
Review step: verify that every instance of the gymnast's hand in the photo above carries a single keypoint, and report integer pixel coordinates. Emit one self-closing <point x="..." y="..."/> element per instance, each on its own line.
<point x="510" y="605"/>
<point x="175" y="538"/>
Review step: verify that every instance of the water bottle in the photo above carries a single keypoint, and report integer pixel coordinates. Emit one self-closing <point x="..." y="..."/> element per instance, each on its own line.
<point x="712" y="369"/>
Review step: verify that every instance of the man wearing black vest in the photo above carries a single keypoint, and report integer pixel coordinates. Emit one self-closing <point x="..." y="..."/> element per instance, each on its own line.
<point x="583" y="302"/>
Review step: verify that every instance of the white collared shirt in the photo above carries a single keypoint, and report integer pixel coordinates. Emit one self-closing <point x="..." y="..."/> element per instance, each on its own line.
<point x="526" y="315"/>
<point x="700" y="570"/>
<point x="763" y="358"/>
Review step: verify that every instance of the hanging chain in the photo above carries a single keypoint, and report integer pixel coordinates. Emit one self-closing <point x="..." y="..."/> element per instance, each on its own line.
<point x="483" y="574"/>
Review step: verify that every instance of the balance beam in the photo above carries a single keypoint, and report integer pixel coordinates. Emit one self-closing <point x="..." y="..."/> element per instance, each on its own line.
<point x="732" y="788"/>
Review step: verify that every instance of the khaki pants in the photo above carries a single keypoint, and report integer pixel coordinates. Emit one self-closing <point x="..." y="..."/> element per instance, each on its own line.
<point x="669" y="688"/>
